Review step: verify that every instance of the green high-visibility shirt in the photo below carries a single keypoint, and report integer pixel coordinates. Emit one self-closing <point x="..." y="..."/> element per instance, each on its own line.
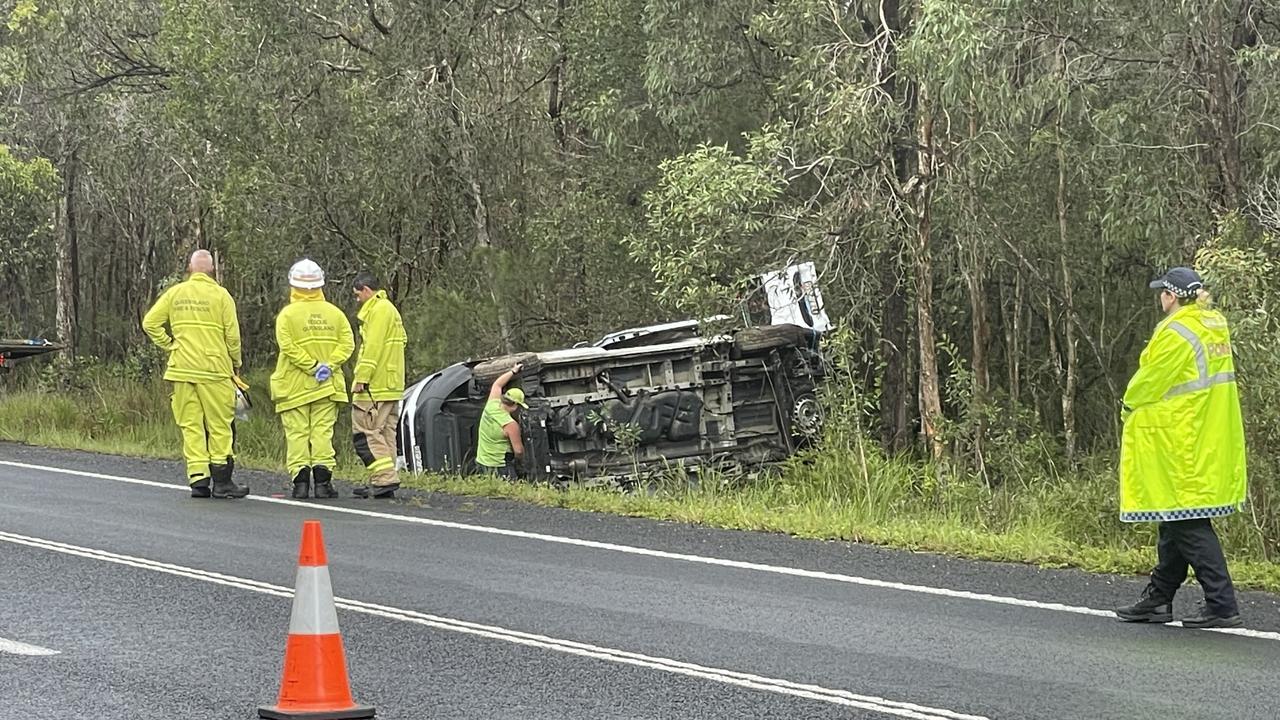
<point x="380" y="363"/>
<point x="310" y="331"/>
<point x="1183" y="452"/>
<point x="203" y="339"/>
<point x="492" y="444"/>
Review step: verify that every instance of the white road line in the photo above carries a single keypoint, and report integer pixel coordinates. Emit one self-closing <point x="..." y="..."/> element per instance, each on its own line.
<point x="570" y="647"/>
<point x="13" y="647"/>
<point x="647" y="552"/>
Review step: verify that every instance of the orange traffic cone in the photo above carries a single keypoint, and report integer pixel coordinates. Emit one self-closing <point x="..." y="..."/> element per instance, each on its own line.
<point x="315" y="682"/>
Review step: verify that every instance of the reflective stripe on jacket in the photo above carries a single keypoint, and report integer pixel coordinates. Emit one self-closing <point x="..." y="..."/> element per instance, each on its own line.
<point x="310" y="331"/>
<point x="203" y="339"/>
<point x="1183" y="452"/>
<point x="380" y="362"/>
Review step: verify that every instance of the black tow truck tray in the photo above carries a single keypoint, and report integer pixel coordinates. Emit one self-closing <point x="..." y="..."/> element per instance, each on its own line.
<point x="12" y="350"/>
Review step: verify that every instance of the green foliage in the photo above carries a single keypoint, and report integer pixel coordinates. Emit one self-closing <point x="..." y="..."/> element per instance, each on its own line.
<point x="709" y="224"/>
<point x="1242" y="263"/>
<point x="27" y="192"/>
<point x="531" y="176"/>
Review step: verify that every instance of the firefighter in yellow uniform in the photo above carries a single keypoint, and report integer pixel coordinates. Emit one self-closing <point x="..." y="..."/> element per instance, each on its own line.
<point x="1182" y="460"/>
<point x="307" y="386"/>
<point x="203" y="343"/>
<point x="377" y="387"/>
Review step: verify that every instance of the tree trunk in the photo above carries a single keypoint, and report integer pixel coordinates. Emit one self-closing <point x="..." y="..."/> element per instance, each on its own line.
<point x="1072" y="370"/>
<point x="1229" y="29"/>
<point x="554" y="85"/>
<point x="1011" y="311"/>
<point x="930" y="396"/>
<point x="975" y="279"/>
<point x="67" y="276"/>
<point x="146" y="267"/>
<point x="1055" y="356"/>
<point x="895" y="420"/>
<point x="466" y="161"/>
<point x="895" y="385"/>
<point x="480" y="220"/>
<point x="1021" y="330"/>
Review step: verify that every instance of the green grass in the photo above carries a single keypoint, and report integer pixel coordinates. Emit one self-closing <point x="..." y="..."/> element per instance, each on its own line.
<point x="846" y="492"/>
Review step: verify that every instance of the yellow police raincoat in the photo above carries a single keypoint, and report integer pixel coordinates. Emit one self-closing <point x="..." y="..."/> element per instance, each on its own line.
<point x="1183" y="453"/>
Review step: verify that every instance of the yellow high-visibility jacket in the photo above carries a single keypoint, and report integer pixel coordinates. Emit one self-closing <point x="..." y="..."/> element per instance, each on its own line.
<point x="1183" y="452"/>
<point x="380" y="363"/>
<point x="310" y="331"/>
<point x="203" y="340"/>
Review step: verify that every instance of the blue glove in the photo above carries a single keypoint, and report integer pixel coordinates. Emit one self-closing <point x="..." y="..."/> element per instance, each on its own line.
<point x="323" y="372"/>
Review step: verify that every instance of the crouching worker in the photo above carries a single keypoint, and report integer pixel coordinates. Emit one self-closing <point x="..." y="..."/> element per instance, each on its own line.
<point x="203" y="343"/>
<point x="1182" y="461"/>
<point x="378" y="385"/>
<point x="499" y="433"/>
<point x="315" y="339"/>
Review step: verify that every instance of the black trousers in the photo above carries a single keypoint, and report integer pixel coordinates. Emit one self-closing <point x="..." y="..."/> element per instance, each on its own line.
<point x="1194" y="543"/>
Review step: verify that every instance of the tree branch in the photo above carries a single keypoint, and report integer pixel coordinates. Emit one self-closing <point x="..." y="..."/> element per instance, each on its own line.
<point x="351" y="69"/>
<point x="131" y="69"/>
<point x="373" y="17"/>
<point x="1070" y="308"/>
<point x="354" y="43"/>
<point x="1046" y="33"/>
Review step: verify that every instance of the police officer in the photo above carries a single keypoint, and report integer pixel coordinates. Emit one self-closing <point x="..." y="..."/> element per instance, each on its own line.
<point x="307" y="386"/>
<point x="203" y="343"/>
<point x="377" y="387"/>
<point x="1182" y="459"/>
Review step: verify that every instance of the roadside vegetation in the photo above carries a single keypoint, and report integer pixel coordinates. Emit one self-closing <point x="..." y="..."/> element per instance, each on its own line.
<point x="985" y="187"/>
<point x="1028" y="505"/>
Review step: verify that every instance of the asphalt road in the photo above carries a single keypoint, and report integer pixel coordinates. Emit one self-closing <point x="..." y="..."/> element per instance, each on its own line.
<point x="492" y="609"/>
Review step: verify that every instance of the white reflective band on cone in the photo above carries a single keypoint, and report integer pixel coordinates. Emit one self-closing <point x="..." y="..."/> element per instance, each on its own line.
<point x="313" y="609"/>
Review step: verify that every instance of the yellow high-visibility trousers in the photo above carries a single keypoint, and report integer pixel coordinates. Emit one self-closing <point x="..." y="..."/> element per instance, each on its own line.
<point x="204" y="413"/>
<point x="308" y="435"/>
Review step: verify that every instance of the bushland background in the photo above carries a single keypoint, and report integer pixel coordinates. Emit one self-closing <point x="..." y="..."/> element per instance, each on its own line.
<point x="986" y="187"/>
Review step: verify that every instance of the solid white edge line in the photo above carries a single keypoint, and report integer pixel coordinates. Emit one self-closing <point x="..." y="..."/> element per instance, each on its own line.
<point x="13" y="647"/>
<point x="730" y="677"/>
<point x="663" y="554"/>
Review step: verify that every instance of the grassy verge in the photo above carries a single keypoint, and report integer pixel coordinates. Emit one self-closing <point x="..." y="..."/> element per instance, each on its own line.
<point x="844" y="492"/>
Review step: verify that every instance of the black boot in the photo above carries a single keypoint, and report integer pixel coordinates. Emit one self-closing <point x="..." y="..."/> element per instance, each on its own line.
<point x="223" y="485"/>
<point x="324" y="482"/>
<point x="200" y="488"/>
<point x="1152" y="607"/>
<point x="377" y="492"/>
<point x="302" y="484"/>
<point x="1206" y="618"/>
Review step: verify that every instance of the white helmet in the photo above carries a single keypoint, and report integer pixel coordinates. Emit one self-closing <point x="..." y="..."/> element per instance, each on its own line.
<point x="306" y="274"/>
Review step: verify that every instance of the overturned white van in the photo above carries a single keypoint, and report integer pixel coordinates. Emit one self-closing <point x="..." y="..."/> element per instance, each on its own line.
<point x="644" y="400"/>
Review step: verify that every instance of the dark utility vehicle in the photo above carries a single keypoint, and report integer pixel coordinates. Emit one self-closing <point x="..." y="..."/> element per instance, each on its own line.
<point x="12" y="351"/>
<point x="641" y="401"/>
